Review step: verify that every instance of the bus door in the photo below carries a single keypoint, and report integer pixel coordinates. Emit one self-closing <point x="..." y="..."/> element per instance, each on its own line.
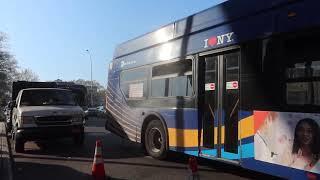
<point x="220" y="104"/>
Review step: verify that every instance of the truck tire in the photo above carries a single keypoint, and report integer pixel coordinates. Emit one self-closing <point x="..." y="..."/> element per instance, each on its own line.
<point x="18" y="145"/>
<point x="156" y="140"/>
<point x="17" y="142"/>
<point x="78" y="139"/>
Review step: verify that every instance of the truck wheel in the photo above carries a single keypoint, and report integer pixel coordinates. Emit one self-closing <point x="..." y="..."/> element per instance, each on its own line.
<point x="18" y="146"/>
<point x="156" y="140"/>
<point x="78" y="139"/>
<point x="17" y="142"/>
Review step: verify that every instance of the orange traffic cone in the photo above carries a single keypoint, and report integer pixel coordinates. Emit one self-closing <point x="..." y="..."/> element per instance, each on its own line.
<point x="98" y="163"/>
<point x="193" y="169"/>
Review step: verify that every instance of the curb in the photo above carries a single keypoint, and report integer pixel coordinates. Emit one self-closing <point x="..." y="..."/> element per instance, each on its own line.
<point x="6" y="158"/>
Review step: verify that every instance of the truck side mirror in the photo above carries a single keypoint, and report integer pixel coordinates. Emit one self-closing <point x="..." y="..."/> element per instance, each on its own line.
<point x="10" y="104"/>
<point x="13" y="104"/>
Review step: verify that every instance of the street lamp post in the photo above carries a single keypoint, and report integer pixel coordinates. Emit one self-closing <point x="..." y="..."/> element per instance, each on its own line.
<point x="91" y="76"/>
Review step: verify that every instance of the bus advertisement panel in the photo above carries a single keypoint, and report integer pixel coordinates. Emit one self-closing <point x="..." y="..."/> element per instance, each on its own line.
<point x="288" y="139"/>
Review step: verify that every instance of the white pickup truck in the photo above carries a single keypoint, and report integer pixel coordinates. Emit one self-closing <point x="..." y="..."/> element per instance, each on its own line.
<point x="45" y="113"/>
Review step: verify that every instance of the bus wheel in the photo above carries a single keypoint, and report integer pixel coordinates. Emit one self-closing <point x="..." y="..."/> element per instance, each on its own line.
<point x="155" y="140"/>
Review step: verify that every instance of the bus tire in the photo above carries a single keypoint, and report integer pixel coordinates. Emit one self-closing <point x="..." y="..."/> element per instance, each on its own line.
<point x="156" y="140"/>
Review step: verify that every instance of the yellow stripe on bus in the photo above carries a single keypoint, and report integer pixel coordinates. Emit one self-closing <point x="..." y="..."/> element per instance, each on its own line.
<point x="189" y="137"/>
<point x="246" y="127"/>
<point x="183" y="137"/>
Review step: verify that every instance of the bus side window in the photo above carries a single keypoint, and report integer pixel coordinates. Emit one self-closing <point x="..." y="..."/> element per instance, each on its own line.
<point x="291" y="70"/>
<point x="302" y="71"/>
<point x="172" y="79"/>
<point x="133" y="83"/>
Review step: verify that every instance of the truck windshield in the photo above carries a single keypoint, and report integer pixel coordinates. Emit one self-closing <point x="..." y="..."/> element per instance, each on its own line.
<point x="45" y="97"/>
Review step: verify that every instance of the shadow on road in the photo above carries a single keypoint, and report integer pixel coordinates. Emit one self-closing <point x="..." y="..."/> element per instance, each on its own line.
<point x="113" y="147"/>
<point x="35" y="171"/>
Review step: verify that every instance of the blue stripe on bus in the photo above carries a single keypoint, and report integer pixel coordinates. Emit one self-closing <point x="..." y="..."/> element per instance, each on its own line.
<point x="189" y="120"/>
<point x="245" y="141"/>
<point x="192" y="153"/>
<point x="245" y="114"/>
<point x="247" y="152"/>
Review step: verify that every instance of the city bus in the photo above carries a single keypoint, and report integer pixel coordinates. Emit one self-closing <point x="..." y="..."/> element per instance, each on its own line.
<point x="238" y="83"/>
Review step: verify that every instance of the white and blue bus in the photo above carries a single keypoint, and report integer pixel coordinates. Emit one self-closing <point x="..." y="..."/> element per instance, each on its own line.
<point x="238" y="82"/>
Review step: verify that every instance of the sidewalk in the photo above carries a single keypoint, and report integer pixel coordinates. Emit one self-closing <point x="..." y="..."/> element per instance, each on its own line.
<point x="5" y="155"/>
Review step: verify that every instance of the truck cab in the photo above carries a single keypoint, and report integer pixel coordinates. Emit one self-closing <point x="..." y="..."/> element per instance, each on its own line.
<point x="46" y="113"/>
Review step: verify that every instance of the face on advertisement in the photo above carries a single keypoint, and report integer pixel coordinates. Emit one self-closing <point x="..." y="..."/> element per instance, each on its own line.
<point x="306" y="137"/>
<point x="305" y="134"/>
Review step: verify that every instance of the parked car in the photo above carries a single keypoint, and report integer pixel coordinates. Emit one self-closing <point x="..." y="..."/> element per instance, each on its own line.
<point x="101" y="109"/>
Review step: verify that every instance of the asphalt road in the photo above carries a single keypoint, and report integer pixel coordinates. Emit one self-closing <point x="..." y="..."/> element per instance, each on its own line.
<point x="59" y="160"/>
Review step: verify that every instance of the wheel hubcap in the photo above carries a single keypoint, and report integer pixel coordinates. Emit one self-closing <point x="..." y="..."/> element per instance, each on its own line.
<point x="155" y="141"/>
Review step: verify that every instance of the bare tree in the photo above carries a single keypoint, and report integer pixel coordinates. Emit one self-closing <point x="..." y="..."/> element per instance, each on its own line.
<point x="87" y="83"/>
<point x="26" y="75"/>
<point x="8" y="66"/>
<point x="10" y="72"/>
<point x="98" y="92"/>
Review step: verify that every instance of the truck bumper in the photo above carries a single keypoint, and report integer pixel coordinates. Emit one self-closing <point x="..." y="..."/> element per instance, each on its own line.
<point x="52" y="132"/>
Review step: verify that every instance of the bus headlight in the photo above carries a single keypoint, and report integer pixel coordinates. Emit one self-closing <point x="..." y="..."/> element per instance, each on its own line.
<point x="27" y="119"/>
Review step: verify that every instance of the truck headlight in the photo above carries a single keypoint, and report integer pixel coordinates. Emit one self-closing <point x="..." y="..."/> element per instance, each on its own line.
<point x="27" y="119"/>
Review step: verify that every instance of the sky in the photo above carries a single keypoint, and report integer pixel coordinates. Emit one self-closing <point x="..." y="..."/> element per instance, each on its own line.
<point x="50" y="37"/>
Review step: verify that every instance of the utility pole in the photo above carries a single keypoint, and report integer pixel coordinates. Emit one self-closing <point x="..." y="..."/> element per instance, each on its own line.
<point x="91" y="76"/>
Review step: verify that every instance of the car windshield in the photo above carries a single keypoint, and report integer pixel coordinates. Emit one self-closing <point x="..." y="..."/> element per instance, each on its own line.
<point x="45" y="97"/>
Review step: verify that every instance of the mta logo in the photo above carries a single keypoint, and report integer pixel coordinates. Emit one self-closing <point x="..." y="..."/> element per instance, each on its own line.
<point x="124" y="63"/>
